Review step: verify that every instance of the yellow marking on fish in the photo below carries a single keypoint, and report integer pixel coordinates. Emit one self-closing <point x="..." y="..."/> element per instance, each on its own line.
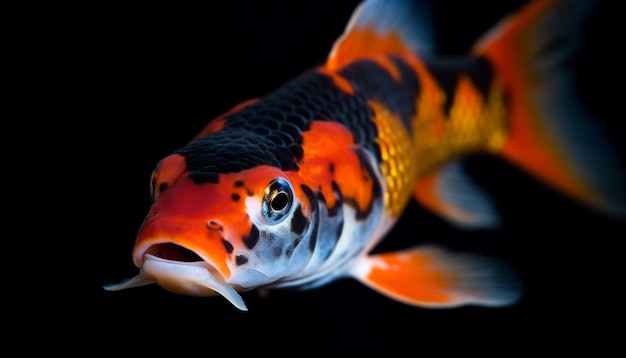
<point x="474" y="124"/>
<point x="397" y="156"/>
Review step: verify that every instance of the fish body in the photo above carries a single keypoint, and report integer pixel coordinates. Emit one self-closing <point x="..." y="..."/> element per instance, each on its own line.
<point x="296" y="188"/>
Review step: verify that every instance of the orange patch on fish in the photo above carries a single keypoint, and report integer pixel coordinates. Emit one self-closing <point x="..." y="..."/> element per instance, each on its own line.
<point x="169" y="170"/>
<point x="361" y="43"/>
<point x="329" y="144"/>
<point x="430" y="286"/>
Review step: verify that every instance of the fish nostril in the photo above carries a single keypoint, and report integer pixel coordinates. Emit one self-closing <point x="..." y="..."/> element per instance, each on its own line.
<point x="214" y="225"/>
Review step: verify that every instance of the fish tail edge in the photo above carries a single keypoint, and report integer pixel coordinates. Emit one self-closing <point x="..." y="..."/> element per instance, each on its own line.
<point x="552" y="135"/>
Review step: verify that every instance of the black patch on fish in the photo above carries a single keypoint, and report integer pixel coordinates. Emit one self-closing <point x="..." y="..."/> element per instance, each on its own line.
<point x="374" y="82"/>
<point x="297" y="150"/>
<point x="448" y="71"/>
<point x="234" y="196"/>
<point x="337" y="208"/>
<point x="277" y="251"/>
<point x="331" y="168"/>
<point x="332" y="212"/>
<point x="162" y="187"/>
<point x="269" y="132"/>
<point x="227" y="245"/>
<point x="240" y="184"/>
<point x="321" y="198"/>
<point x="252" y="238"/>
<point x="240" y="260"/>
<point x="339" y="230"/>
<point x="309" y="195"/>
<point x="299" y="222"/>
<point x="314" y="205"/>
<point x="313" y="238"/>
<point x="377" y="192"/>
<point x="295" y="244"/>
<point x="210" y="176"/>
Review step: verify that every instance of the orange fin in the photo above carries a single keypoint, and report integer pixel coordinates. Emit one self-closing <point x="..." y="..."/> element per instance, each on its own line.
<point x="433" y="277"/>
<point x="451" y="194"/>
<point x="553" y="135"/>
<point x="379" y="27"/>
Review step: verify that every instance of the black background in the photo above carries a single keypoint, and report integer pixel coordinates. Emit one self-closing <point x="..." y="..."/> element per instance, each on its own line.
<point x="106" y="89"/>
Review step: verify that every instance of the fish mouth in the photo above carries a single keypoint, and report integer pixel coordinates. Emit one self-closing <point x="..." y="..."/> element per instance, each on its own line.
<point x="182" y="271"/>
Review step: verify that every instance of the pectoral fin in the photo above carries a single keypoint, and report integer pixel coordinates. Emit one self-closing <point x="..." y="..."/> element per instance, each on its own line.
<point x="433" y="277"/>
<point x="450" y="193"/>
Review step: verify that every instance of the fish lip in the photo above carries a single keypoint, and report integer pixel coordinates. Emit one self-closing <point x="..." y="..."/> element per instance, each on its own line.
<point x="144" y="253"/>
<point x="197" y="278"/>
<point x="200" y="264"/>
<point x="158" y="267"/>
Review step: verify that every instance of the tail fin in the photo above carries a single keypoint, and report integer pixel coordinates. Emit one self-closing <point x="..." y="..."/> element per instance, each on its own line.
<point x="552" y="134"/>
<point x="378" y="27"/>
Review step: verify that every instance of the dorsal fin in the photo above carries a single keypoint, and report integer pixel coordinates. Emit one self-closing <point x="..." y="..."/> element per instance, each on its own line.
<point x="383" y="27"/>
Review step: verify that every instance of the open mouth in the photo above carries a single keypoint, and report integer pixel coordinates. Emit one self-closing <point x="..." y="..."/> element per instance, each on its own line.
<point x="180" y="270"/>
<point x="173" y="252"/>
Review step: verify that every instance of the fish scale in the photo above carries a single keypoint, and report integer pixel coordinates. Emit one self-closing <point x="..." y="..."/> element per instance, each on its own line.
<point x="249" y="144"/>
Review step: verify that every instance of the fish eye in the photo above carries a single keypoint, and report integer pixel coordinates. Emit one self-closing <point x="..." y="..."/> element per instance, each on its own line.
<point x="277" y="200"/>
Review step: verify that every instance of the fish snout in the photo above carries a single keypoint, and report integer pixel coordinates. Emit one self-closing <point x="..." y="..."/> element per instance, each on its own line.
<point x="182" y="241"/>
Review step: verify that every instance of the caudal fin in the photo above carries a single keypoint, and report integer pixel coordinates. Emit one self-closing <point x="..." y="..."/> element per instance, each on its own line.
<point x="553" y="135"/>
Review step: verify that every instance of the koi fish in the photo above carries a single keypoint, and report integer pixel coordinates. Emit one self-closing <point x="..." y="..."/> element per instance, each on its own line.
<point x="296" y="188"/>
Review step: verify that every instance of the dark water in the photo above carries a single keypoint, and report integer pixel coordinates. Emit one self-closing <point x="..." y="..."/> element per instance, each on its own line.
<point x="107" y="89"/>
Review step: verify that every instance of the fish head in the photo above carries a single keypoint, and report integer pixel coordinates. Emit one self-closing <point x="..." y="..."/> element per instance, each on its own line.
<point x="233" y="233"/>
